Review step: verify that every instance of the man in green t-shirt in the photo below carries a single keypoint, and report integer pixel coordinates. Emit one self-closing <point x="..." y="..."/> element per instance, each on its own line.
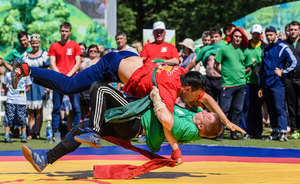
<point x="18" y="51"/>
<point x="188" y="126"/>
<point x="235" y="65"/>
<point x="251" y="117"/>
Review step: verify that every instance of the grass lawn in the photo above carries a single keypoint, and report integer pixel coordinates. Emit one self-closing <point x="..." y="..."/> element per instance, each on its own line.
<point x="41" y="144"/>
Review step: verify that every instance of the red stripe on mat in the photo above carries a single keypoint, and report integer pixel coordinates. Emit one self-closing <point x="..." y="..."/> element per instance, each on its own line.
<point x="185" y="158"/>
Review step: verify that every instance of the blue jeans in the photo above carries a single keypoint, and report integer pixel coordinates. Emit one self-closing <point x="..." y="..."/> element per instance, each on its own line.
<point x="233" y="97"/>
<point x="57" y="101"/>
<point x="251" y="117"/>
<point x="274" y="98"/>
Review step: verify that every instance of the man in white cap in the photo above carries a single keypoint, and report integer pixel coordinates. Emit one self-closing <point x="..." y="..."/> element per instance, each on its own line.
<point x="159" y="51"/>
<point x="251" y="117"/>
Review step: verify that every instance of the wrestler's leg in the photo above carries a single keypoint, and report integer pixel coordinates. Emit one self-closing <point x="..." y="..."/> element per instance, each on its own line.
<point x="64" y="84"/>
<point x="102" y="97"/>
<point x="40" y="160"/>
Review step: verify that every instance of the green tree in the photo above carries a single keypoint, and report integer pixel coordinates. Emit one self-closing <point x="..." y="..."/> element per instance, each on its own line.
<point x="190" y="18"/>
<point x="96" y="34"/>
<point x="10" y="28"/>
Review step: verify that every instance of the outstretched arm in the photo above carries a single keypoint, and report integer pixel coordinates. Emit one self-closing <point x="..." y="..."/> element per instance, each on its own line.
<point x="212" y="105"/>
<point x="167" y="120"/>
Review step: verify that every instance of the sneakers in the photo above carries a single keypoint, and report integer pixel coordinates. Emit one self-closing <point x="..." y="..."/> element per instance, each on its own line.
<point x="38" y="160"/>
<point x="283" y="137"/>
<point x="89" y="137"/>
<point x="142" y="139"/>
<point x="295" y="135"/>
<point x="273" y="136"/>
<point x="24" y="139"/>
<point x="8" y="140"/>
<point x="19" y="71"/>
<point x="247" y="136"/>
<point x="220" y="137"/>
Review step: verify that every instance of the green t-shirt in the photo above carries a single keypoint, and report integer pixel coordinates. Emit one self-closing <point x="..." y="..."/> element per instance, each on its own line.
<point x="256" y="53"/>
<point x="233" y="63"/>
<point x="16" y="53"/>
<point x="198" y="49"/>
<point x="184" y="129"/>
<point x="209" y="50"/>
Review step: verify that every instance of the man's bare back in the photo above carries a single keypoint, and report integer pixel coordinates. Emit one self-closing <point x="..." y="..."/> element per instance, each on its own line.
<point x="210" y="71"/>
<point x="128" y="66"/>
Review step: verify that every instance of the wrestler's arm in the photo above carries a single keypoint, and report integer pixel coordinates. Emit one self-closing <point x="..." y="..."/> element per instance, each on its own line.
<point x="212" y="105"/>
<point x="75" y="67"/>
<point x="167" y="120"/>
<point x="172" y="62"/>
<point x="53" y="63"/>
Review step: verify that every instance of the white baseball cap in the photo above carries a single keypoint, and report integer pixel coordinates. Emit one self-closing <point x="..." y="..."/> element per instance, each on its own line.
<point x="159" y="25"/>
<point x="256" y="28"/>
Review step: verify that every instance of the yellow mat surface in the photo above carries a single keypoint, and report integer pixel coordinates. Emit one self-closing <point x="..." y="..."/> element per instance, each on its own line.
<point x="190" y="172"/>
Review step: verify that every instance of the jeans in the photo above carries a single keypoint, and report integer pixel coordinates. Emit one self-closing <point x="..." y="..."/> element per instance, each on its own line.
<point x="57" y="101"/>
<point x="251" y="117"/>
<point x="233" y="97"/>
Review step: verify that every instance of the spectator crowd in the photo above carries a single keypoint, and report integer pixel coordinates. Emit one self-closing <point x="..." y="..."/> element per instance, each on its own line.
<point x="253" y="82"/>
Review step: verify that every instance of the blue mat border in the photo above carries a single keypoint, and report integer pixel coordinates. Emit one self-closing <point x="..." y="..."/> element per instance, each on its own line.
<point x="188" y="149"/>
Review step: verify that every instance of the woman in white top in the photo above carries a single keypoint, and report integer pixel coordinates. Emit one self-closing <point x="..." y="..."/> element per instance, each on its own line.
<point x="35" y="58"/>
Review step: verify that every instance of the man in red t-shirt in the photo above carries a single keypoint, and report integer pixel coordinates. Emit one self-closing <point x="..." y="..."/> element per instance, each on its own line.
<point x="65" y="59"/>
<point x="159" y="51"/>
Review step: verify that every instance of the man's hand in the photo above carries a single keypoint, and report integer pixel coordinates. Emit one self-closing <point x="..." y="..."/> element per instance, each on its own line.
<point x="234" y="127"/>
<point x="260" y="93"/>
<point x="256" y="70"/>
<point x="278" y="72"/>
<point x="154" y="94"/>
<point x="156" y="99"/>
<point x="253" y="60"/>
<point x="176" y="155"/>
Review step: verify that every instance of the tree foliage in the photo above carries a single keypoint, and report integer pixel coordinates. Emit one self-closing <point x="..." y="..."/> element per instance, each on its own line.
<point x="190" y="18"/>
<point x="44" y="18"/>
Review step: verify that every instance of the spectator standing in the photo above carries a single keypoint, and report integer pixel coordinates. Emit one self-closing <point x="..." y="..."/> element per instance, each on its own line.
<point x="227" y="28"/>
<point x="65" y="59"/>
<point x="287" y="30"/>
<point x="159" y="51"/>
<point x="292" y="81"/>
<point x="206" y="40"/>
<point x="18" y="51"/>
<point x="138" y="46"/>
<point x="232" y="58"/>
<point x="35" y="58"/>
<point x="251" y="117"/>
<point x="187" y="51"/>
<point x="121" y="40"/>
<point x="207" y="55"/>
<point x="277" y="61"/>
<point x="15" y="106"/>
<point x="82" y="47"/>
<point x="91" y="59"/>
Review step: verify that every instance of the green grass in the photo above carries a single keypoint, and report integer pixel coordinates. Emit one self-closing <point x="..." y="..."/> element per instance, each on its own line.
<point x="41" y="144"/>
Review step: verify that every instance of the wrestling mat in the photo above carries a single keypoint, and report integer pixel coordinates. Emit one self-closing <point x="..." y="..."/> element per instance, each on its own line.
<point x="203" y="164"/>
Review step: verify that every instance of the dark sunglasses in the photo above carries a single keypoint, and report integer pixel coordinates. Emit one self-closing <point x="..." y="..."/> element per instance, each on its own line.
<point x="92" y="51"/>
<point x="35" y="37"/>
